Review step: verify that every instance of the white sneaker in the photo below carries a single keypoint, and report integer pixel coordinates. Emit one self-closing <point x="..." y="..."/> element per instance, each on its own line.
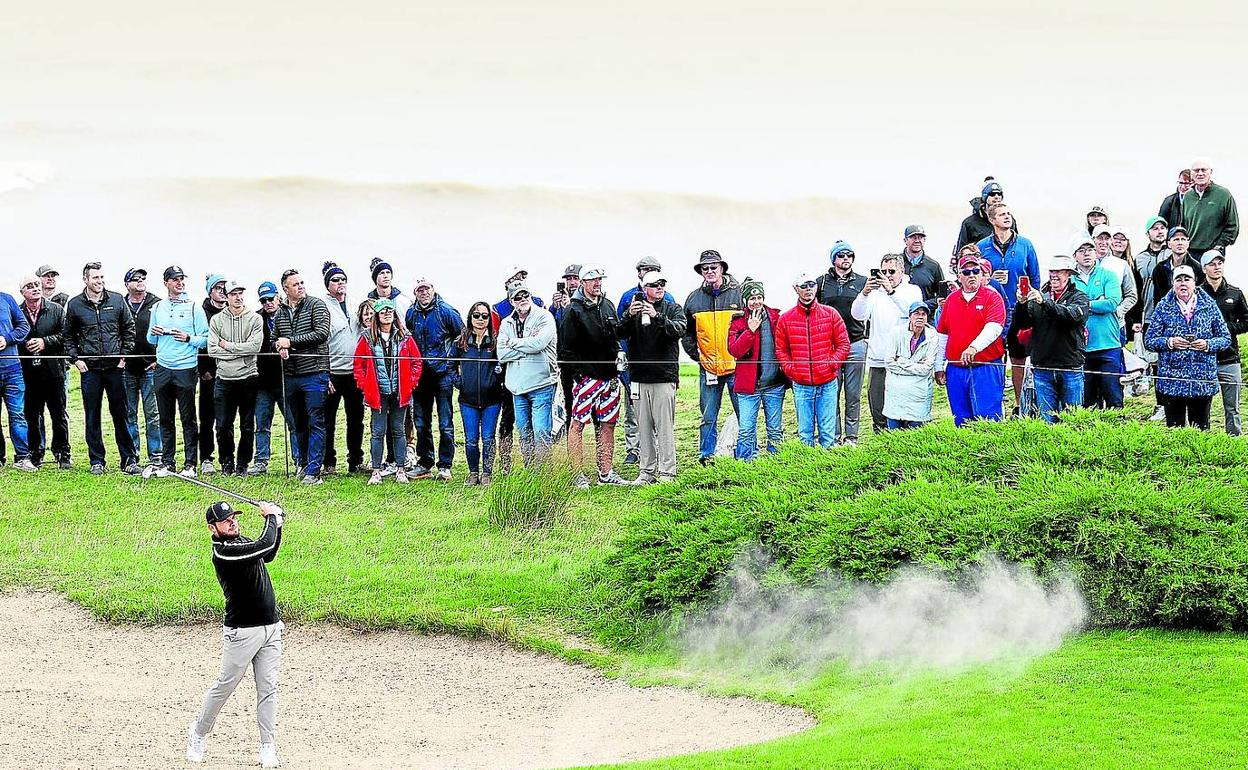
<point x="375" y="478"/>
<point x="444" y="474"/>
<point x="612" y="478"/>
<point x="387" y="469"/>
<point x="268" y="755"/>
<point x="1158" y="415"/>
<point x="25" y="464"/>
<point x="411" y="455"/>
<point x="163" y="471"/>
<point x="581" y="481"/>
<point x="189" y="471"/>
<point x="206" y="468"/>
<point x="195" y="745"/>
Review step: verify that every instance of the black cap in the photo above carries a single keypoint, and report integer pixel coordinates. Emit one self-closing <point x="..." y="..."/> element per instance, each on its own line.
<point x="134" y="273"/>
<point x="173" y="271"/>
<point x="218" y="512"/>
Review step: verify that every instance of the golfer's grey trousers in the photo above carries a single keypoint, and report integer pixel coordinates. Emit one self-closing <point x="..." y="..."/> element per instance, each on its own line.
<point x="261" y="648"/>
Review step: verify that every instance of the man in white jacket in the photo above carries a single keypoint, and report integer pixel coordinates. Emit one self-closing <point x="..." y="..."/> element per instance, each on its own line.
<point x="344" y="334"/>
<point x="884" y="302"/>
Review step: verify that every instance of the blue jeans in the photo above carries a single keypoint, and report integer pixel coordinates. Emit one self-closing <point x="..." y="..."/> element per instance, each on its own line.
<point x="533" y="422"/>
<point x="439" y="388"/>
<point x="816" y="407"/>
<point x="710" y="397"/>
<point x="1103" y="391"/>
<point x="480" y="423"/>
<point x="142" y="387"/>
<point x="13" y="387"/>
<point x="771" y="399"/>
<point x="975" y="392"/>
<point x="390" y="419"/>
<point x="266" y="405"/>
<point x="903" y="424"/>
<point x="305" y="397"/>
<point x="1056" y="391"/>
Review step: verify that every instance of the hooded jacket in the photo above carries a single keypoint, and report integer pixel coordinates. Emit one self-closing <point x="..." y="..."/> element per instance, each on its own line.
<point x="589" y="338"/>
<point x="143" y="354"/>
<point x="435" y="328"/>
<point x="884" y="312"/>
<point x="528" y="351"/>
<point x="1187" y="373"/>
<point x="184" y="315"/>
<point x="208" y="364"/>
<point x="909" y="374"/>
<point x="708" y="314"/>
<point x="811" y="343"/>
<point x="244" y="336"/>
<point x="480" y="385"/>
<point x="306" y="325"/>
<point x="656" y="345"/>
<point x="746" y="347"/>
<point x="1104" y="293"/>
<point x="1018" y="259"/>
<point x="840" y="296"/>
<point x="96" y="329"/>
<point x="1058" y="327"/>
<point x="344" y="333"/>
<point x="364" y="368"/>
<point x="1172" y="210"/>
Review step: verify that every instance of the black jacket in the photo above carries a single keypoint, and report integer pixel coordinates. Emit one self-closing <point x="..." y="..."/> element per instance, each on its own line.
<point x="588" y="339"/>
<point x="480" y="384"/>
<point x="1235" y="312"/>
<point x="206" y="362"/>
<point x="50" y="327"/>
<point x="239" y="564"/>
<point x="269" y="366"/>
<point x="307" y="328"/>
<point x="930" y="279"/>
<point x="1058" y="337"/>
<point x="654" y="349"/>
<point x="1172" y="211"/>
<point x="103" y="328"/>
<point x="839" y="296"/>
<point x="975" y="228"/>
<point x="1163" y="277"/>
<point x="143" y="354"/>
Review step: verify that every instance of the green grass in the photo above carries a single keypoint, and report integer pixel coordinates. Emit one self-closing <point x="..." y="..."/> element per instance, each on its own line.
<point x="427" y="558"/>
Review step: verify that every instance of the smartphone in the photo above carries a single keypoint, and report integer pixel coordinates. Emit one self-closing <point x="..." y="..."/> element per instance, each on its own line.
<point x="1189" y="337"/>
<point x="875" y="273"/>
<point x="1024" y="285"/>
<point x="562" y="287"/>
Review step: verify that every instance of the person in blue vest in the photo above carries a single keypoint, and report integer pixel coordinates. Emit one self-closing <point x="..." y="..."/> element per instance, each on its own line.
<point x="435" y="326"/>
<point x="632" y="442"/>
<point x="1012" y="256"/>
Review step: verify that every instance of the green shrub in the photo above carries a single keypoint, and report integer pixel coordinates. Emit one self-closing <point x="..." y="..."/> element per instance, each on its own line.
<point x="531" y="497"/>
<point x="1151" y="521"/>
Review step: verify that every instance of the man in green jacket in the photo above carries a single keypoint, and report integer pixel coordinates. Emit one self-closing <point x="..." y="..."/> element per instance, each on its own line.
<point x="1209" y="211"/>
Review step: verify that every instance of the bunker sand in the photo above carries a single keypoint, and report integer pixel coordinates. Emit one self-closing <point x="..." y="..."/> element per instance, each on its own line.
<point x="79" y="693"/>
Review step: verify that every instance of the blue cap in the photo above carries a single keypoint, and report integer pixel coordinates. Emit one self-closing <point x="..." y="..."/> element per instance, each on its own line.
<point x="134" y="273"/>
<point x="212" y="280"/>
<point x="1175" y="231"/>
<point x="840" y="247"/>
<point x="991" y="187"/>
<point x="915" y="230"/>
<point x="267" y="289"/>
<point x="919" y="306"/>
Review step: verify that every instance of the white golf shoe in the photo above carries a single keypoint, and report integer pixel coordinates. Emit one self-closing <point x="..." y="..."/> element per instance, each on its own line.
<point x="195" y="744"/>
<point x="268" y="755"/>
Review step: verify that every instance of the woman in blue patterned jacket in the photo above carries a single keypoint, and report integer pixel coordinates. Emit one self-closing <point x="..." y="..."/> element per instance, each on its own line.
<point x="1186" y="331"/>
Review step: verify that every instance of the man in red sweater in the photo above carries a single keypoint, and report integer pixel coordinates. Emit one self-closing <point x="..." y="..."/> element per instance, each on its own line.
<point x="812" y="344"/>
<point x="972" y="319"/>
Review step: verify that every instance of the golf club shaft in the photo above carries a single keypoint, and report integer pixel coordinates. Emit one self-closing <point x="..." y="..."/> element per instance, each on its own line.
<point x="217" y="489"/>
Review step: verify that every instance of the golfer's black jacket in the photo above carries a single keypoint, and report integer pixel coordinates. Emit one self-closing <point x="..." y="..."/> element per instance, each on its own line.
<point x="244" y="579"/>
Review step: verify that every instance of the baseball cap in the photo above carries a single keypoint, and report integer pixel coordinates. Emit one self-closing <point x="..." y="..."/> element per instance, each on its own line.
<point x="517" y="287"/>
<point x="990" y="188"/>
<point x="218" y="512"/>
<point x="422" y="281"/>
<point x="135" y="273"/>
<point x="1080" y="241"/>
<point x="383" y="303"/>
<point x="590" y="272"/>
<point x="1209" y="256"/>
<point x="915" y="230"/>
<point x="1154" y="220"/>
<point x="1096" y="210"/>
<point x="649" y="262"/>
<point x="517" y="270"/>
<point x="1184" y="270"/>
<point x="915" y="306"/>
<point x="173" y="271"/>
<point x="652" y="276"/>
<point x="573" y="270"/>
<point x="969" y="259"/>
<point x="46" y="270"/>
<point x="803" y="278"/>
<point x="231" y="286"/>
<point x="1100" y="230"/>
<point x="1062" y="262"/>
<point x="267" y="289"/>
<point x="1173" y="231"/>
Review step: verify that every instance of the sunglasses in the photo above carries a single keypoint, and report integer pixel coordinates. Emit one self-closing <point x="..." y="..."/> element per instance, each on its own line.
<point x="338" y="279"/>
<point x="658" y="285"/>
<point x="709" y="268"/>
<point x="807" y="285"/>
<point x="520" y="297"/>
<point x="971" y="271"/>
<point x="268" y="299"/>
<point x="848" y="254"/>
<point x="888" y="272"/>
<point x="481" y="316"/>
<point x="30" y="286"/>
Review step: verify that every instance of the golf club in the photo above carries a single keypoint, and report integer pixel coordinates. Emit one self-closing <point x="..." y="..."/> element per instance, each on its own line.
<point x="216" y="489"/>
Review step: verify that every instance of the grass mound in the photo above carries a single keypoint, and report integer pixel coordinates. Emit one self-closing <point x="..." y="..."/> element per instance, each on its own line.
<point x="530" y="497"/>
<point x="1151" y="521"/>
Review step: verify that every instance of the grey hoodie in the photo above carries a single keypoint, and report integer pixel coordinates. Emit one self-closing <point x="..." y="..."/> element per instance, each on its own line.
<point x="244" y="334"/>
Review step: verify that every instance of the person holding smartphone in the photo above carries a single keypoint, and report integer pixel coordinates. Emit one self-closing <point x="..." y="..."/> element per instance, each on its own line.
<point x="1186" y="331"/>
<point x="883" y="305"/>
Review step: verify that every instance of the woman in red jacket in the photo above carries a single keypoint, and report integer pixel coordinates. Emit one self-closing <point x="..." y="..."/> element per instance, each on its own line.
<point x="387" y="369"/>
<point x="812" y="344"/>
<point x="759" y="380"/>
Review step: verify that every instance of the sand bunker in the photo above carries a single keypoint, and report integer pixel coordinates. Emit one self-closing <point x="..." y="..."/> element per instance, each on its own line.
<point x="80" y="693"/>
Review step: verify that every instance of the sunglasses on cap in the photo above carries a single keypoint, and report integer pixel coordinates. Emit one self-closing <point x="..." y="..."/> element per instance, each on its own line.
<point x="481" y="316"/>
<point x="31" y="285"/>
<point x="807" y="285"/>
<point x="971" y="271"/>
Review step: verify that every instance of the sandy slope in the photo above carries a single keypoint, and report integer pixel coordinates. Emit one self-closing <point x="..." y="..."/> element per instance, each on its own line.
<point x="80" y="693"/>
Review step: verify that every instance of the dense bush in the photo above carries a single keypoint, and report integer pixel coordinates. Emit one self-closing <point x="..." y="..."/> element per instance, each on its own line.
<point x="1151" y="521"/>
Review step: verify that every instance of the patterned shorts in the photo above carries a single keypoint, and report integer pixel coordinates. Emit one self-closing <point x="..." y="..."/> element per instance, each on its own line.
<point x="596" y="400"/>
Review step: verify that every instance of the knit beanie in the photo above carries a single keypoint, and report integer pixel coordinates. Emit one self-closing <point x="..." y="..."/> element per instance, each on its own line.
<point x="749" y="288"/>
<point x="329" y="270"/>
<point x="377" y="265"/>
<point x="838" y="247"/>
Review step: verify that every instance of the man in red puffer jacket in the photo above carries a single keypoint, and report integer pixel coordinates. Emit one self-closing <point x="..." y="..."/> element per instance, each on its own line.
<point x="812" y="343"/>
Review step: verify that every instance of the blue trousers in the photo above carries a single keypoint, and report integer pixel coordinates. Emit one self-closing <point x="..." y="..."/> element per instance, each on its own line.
<point x="975" y="392"/>
<point x="13" y="387"/>
<point x="816" y="408"/>
<point x="305" y="398"/>
<point x="267" y="403"/>
<point x="771" y="401"/>
<point x="534" y="422"/>
<point x="434" y="388"/>
<point x="141" y="389"/>
<point x="1056" y="391"/>
<point x="391" y="420"/>
<point x="1103" y="391"/>
<point x="903" y="424"/>
<point x="710" y="397"/>
<point x="480" y="423"/>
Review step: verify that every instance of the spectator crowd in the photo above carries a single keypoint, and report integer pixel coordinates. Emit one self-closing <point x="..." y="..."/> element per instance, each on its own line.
<point x="1096" y="321"/>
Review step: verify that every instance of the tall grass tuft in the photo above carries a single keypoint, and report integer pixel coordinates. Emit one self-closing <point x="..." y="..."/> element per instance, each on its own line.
<point x="531" y="497"/>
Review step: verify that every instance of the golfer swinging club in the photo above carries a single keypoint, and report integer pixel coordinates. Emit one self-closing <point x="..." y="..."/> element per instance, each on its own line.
<point x="253" y="632"/>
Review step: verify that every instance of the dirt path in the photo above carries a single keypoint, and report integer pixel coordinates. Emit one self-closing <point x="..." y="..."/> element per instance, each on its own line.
<point x="78" y="693"/>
